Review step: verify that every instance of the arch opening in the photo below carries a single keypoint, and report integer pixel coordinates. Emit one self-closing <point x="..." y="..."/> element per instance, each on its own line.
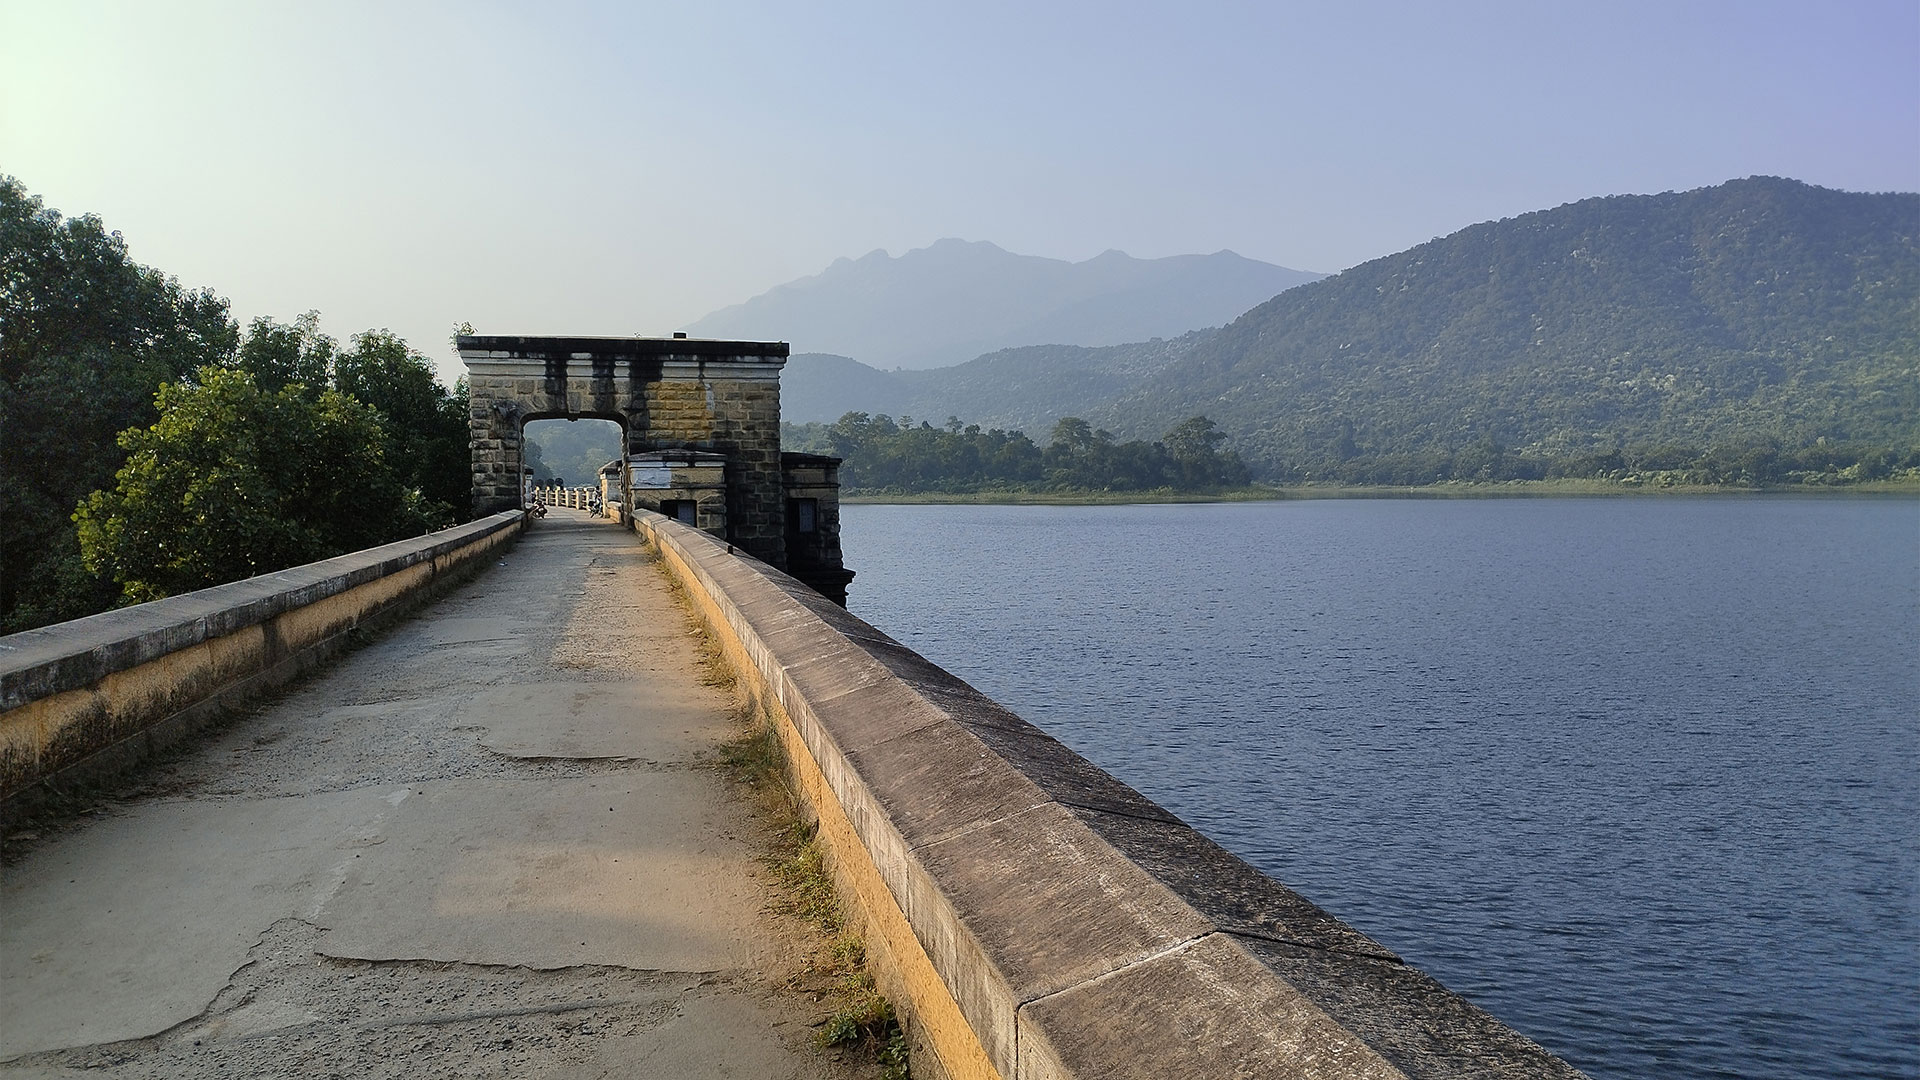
<point x="565" y="451"/>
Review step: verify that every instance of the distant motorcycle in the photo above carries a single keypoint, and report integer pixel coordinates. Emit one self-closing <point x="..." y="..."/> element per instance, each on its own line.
<point x="538" y="509"/>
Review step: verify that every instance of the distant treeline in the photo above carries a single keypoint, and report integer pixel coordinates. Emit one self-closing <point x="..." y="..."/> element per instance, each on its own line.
<point x="887" y="456"/>
<point x="1748" y="466"/>
<point x="152" y="447"/>
<point x="883" y="455"/>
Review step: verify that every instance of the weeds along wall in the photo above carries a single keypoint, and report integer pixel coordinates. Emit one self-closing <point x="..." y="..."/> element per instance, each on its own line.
<point x="1030" y="915"/>
<point x="941" y="1040"/>
<point x="86" y="698"/>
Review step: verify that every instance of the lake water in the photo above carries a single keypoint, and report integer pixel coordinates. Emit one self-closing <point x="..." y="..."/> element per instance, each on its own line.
<point x="1640" y="776"/>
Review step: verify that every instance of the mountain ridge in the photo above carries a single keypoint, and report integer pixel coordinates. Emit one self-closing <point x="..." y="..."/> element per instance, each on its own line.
<point x="1027" y="388"/>
<point x="954" y="300"/>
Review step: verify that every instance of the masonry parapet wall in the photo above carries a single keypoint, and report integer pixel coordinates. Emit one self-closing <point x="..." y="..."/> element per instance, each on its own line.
<point x="1032" y="916"/>
<point x="97" y="694"/>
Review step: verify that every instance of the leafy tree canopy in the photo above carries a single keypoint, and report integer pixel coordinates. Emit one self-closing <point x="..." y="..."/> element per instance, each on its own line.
<point x="426" y="423"/>
<point x="224" y="486"/>
<point x="570" y="449"/>
<point x="277" y="354"/>
<point x="93" y="345"/>
<point x="86" y="337"/>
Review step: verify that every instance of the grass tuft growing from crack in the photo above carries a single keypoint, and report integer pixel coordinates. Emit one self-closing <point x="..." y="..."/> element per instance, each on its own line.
<point x="803" y="878"/>
<point x="711" y="656"/>
<point x="714" y="669"/>
<point x="836" y="971"/>
<point x="806" y="883"/>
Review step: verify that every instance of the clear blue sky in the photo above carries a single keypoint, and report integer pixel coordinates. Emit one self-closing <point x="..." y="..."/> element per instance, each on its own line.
<point x="626" y="168"/>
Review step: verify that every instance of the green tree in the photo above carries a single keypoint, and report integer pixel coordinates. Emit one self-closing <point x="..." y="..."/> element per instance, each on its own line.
<point x="276" y="354"/>
<point x="532" y="457"/>
<point x="1194" y="440"/>
<point x="1073" y="434"/>
<point x="86" y="338"/>
<point x="234" y="480"/>
<point x="1194" y="444"/>
<point x="426" y="422"/>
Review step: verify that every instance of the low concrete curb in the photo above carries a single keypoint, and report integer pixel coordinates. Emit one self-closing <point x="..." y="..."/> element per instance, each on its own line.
<point x="1031" y="915"/>
<point x="93" y="695"/>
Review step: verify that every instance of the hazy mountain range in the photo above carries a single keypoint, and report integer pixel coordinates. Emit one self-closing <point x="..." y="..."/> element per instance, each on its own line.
<point x="1757" y="312"/>
<point x="954" y="300"/>
<point x="1027" y="388"/>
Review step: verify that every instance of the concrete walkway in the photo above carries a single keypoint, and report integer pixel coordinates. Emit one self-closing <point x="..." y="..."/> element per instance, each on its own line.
<point x="485" y="845"/>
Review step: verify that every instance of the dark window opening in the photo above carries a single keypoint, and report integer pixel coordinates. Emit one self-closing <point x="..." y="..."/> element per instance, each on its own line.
<point x="680" y="510"/>
<point x="803" y="515"/>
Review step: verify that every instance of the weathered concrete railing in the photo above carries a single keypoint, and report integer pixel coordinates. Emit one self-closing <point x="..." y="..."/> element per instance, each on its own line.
<point x="98" y="693"/>
<point x="572" y="498"/>
<point x="1031" y="915"/>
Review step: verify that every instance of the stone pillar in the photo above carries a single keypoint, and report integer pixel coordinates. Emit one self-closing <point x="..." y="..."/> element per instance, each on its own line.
<point x="495" y="426"/>
<point x="746" y="428"/>
<point x="812" y="490"/>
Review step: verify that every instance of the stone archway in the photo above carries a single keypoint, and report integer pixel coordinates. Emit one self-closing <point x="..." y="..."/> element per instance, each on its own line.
<point x="668" y="394"/>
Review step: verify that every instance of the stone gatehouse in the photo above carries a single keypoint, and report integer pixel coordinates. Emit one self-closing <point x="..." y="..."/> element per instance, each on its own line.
<point x="701" y="423"/>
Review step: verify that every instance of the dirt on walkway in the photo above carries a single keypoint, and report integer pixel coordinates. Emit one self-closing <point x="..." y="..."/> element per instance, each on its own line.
<point x="493" y="842"/>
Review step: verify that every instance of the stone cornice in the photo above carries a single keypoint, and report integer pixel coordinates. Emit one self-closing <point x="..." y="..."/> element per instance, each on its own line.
<point x="490" y="347"/>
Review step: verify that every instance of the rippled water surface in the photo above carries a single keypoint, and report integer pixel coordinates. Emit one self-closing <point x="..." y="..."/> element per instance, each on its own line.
<point x="1639" y="776"/>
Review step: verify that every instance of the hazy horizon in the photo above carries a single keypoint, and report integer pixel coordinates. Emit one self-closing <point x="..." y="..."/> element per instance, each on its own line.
<point x="597" y="170"/>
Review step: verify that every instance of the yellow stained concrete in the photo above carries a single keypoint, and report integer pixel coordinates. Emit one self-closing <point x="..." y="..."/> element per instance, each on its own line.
<point x="126" y="702"/>
<point x="930" y="1005"/>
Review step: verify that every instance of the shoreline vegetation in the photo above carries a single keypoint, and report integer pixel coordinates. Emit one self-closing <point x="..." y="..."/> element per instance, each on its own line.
<point x="903" y="460"/>
<point x="885" y="460"/>
<point x="1906" y="487"/>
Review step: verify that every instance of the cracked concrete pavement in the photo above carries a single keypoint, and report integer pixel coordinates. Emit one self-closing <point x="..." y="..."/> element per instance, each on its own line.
<point x="490" y="843"/>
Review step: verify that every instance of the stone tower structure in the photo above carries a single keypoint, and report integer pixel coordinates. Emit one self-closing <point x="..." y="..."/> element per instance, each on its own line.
<point x="679" y="401"/>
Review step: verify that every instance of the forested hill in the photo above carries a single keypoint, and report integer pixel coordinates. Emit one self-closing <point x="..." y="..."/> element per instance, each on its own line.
<point x="1763" y="314"/>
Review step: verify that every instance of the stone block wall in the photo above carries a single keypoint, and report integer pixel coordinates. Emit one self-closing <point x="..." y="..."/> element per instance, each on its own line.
<point x="658" y="478"/>
<point x="745" y="417"/>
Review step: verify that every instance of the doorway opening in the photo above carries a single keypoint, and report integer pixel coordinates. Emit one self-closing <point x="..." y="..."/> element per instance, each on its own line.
<point x="570" y="453"/>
